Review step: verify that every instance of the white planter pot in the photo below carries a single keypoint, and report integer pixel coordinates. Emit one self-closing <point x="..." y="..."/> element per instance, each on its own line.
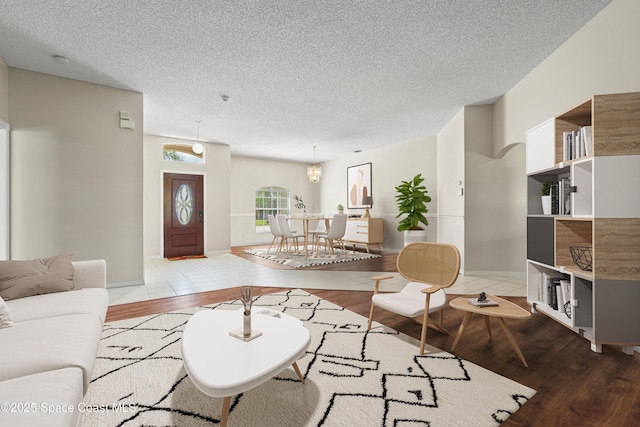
<point x="546" y="205"/>
<point x="411" y="236"/>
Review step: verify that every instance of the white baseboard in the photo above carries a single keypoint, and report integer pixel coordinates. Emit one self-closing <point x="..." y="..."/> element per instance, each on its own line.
<point x="519" y="274"/>
<point x="112" y="285"/>
<point x="222" y="252"/>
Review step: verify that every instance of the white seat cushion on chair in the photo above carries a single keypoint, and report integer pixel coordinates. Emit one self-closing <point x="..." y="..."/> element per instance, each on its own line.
<point x="409" y="301"/>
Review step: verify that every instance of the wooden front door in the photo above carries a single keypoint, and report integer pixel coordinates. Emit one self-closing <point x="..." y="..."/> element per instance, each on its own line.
<point x="183" y="215"/>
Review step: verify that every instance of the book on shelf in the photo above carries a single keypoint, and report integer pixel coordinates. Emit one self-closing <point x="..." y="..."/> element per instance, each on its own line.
<point x="553" y="291"/>
<point x="568" y="145"/>
<point x="565" y="290"/>
<point x="587" y="133"/>
<point x="578" y="143"/>
<point x="560" y="192"/>
<point x="559" y="296"/>
<point x="555" y="199"/>
<point x="552" y="295"/>
<point x="564" y="195"/>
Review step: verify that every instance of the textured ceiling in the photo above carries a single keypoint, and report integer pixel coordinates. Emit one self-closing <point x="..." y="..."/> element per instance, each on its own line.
<point x="342" y="75"/>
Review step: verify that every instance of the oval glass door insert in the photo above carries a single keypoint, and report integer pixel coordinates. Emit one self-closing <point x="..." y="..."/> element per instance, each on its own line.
<point x="184" y="204"/>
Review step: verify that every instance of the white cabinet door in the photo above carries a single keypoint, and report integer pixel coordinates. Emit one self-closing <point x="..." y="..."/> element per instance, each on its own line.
<point x="354" y="230"/>
<point x="615" y="191"/>
<point x="541" y="147"/>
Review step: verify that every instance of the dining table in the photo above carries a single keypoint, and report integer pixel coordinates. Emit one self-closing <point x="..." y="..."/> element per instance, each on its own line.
<point x="305" y="226"/>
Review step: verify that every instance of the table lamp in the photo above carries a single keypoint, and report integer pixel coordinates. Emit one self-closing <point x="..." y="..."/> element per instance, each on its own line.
<point x="368" y="202"/>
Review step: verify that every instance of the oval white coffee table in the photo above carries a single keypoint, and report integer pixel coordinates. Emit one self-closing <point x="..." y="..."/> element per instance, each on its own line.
<point x="222" y="366"/>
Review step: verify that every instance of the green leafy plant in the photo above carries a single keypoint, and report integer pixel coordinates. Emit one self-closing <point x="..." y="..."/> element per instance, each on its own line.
<point x="172" y="155"/>
<point x="546" y="187"/>
<point x="412" y="201"/>
<point x="340" y="207"/>
<point x="299" y="203"/>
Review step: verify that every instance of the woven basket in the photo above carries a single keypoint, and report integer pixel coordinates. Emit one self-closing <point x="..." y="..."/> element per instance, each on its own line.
<point x="581" y="256"/>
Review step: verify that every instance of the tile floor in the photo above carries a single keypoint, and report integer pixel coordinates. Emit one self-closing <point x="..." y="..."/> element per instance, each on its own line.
<point x="165" y="278"/>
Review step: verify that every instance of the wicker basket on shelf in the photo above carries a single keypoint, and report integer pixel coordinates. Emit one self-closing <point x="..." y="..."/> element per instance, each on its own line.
<point x="582" y="257"/>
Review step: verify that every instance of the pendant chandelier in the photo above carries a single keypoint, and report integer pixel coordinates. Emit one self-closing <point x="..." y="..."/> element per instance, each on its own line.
<point x="314" y="172"/>
<point x="198" y="148"/>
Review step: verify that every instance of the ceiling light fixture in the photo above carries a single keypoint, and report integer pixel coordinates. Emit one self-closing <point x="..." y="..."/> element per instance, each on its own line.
<point x="197" y="147"/>
<point x="314" y="172"/>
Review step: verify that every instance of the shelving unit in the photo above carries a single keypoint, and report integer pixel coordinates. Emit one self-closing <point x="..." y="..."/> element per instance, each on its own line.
<point x="604" y="216"/>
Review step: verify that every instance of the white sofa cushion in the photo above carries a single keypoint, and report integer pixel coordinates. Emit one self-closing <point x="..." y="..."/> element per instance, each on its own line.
<point x="59" y="387"/>
<point x="49" y="344"/>
<point x="90" y="274"/>
<point x="5" y="315"/>
<point x="81" y="301"/>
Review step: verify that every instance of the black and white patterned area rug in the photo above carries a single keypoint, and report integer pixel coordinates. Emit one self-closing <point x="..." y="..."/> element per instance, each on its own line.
<point x="321" y="257"/>
<point x="352" y="377"/>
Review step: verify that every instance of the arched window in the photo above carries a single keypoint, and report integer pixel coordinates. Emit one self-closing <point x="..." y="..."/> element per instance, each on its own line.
<point x="270" y="201"/>
<point x="191" y="153"/>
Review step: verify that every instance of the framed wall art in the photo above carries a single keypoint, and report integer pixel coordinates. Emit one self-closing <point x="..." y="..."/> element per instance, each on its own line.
<point x="358" y="185"/>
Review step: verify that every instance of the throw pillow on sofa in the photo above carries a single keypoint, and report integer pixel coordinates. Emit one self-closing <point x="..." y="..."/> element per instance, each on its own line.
<point x="19" y="279"/>
<point x="5" y="315"/>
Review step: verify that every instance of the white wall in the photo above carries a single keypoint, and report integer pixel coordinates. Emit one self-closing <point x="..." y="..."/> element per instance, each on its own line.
<point x="247" y="175"/>
<point x="495" y="202"/>
<point x="602" y="57"/>
<point x="4" y="162"/>
<point x="76" y="178"/>
<point x="217" y="193"/>
<point x="390" y="165"/>
<point x="5" y="192"/>
<point x="4" y="91"/>
<point x="451" y="206"/>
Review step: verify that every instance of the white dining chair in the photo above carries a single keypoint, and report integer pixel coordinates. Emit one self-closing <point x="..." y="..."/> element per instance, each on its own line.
<point x="321" y="228"/>
<point x="275" y="230"/>
<point x="335" y="234"/>
<point x="287" y="234"/>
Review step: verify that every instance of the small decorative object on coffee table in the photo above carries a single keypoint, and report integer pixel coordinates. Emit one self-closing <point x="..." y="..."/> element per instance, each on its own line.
<point x="482" y="301"/>
<point x="246" y="333"/>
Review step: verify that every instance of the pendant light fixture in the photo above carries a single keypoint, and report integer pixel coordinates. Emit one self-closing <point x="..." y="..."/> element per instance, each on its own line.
<point x="314" y="172"/>
<point x="198" y="148"/>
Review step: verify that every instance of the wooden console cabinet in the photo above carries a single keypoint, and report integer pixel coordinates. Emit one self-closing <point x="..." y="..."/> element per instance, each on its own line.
<point x="364" y="231"/>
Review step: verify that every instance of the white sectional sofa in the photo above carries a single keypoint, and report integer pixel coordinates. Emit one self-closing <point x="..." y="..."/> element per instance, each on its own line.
<point x="47" y="356"/>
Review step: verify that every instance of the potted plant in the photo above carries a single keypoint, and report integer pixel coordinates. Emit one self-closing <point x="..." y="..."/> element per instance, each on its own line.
<point x="412" y="199"/>
<point x="340" y="208"/>
<point x="300" y="204"/>
<point x="546" y="197"/>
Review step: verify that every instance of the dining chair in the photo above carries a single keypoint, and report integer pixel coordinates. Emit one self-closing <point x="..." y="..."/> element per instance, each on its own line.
<point x="321" y="228"/>
<point x="430" y="268"/>
<point x="275" y="230"/>
<point x="287" y="234"/>
<point x="335" y="233"/>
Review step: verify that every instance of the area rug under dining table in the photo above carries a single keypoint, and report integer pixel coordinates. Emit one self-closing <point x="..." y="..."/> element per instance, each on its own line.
<point x="353" y="377"/>
<point x="321" y="257"/>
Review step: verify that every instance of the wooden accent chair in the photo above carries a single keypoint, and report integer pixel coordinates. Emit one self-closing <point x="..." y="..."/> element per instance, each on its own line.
<point x="429" y="267"/>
